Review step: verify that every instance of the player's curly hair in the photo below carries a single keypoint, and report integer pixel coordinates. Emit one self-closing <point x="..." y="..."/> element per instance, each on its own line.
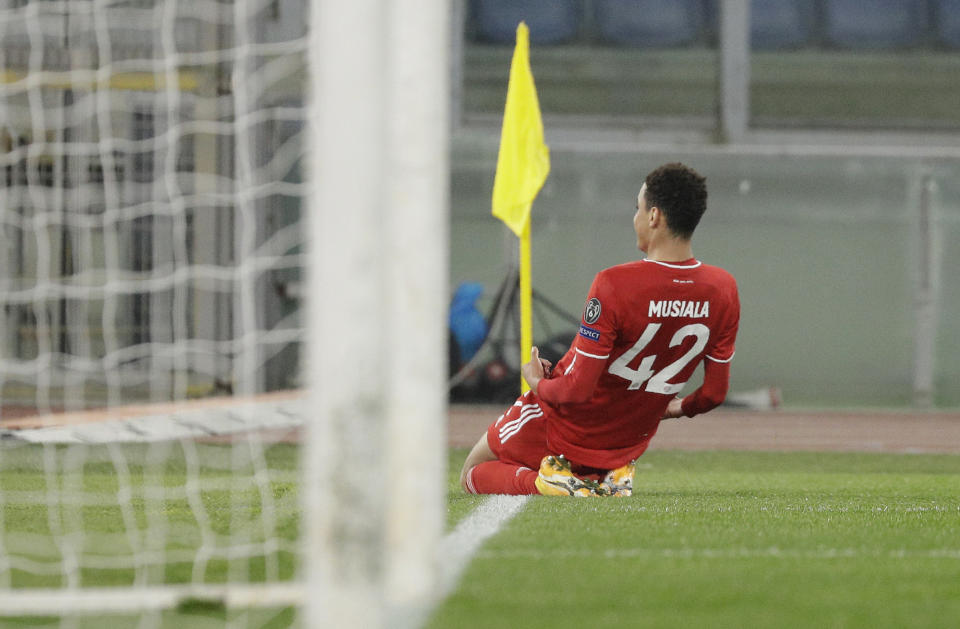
<point x="681" y="194"/>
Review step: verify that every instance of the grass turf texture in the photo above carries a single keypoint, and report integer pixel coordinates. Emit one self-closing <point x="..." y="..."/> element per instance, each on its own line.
<point x="180" y="498"/>
<point x="730" y="539"/>
<point x="710" y="539"/>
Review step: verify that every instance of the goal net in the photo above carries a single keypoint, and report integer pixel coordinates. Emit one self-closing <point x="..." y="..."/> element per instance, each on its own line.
<point x="162" y="220"/>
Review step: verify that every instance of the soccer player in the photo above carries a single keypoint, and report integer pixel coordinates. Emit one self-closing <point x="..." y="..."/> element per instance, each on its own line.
<point x="646" y="327"/>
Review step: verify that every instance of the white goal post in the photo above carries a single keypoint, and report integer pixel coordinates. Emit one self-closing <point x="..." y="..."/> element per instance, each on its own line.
<point x="378" y="310"/>
<point x="206" y="207"/>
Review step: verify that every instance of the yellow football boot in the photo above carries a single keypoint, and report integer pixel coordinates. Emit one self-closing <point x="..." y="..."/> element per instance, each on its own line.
<point x="556" y="479"/>
<point x="619" y="482"/>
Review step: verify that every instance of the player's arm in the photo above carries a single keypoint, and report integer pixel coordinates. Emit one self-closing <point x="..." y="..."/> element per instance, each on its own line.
<point x="535" y="370"/>
<point x="591" y="348"/>
<point x="712" y="393"/>
<point x="716" y="367"/>
<point x="573" y="387"/>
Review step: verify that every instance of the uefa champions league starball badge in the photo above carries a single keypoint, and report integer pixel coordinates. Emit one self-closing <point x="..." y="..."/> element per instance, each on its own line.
<point x="592" y="312"/>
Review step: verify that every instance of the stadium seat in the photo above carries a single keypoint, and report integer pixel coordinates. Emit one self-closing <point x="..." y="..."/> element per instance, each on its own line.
<point x="875" y="24"/>
<point x="650" y="23"/>
<point x="948" y="22"/>
<point x="779" y="24"/>
<point x="550" y="22"/>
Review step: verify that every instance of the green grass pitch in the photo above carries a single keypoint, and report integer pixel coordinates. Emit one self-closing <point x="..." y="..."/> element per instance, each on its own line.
<point x="710" y="539"/>
<point x="729" y="539"/>
<point x="179" y="499"/>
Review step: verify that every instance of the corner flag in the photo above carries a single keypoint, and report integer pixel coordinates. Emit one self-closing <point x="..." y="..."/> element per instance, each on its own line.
<point x="524" y="160"/>
<point x="522" y="166"/>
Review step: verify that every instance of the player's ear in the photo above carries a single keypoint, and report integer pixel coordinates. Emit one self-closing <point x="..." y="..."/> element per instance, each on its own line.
<point x="654" y="216"/>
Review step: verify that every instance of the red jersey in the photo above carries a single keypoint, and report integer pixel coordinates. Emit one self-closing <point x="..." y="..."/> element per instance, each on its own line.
<point x="645" y="328"/>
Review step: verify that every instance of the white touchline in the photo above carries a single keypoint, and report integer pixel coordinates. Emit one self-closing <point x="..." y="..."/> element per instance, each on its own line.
<point x="459" y="546"/>
<point x="773" y="552"/>
<point x="456" y="550"/>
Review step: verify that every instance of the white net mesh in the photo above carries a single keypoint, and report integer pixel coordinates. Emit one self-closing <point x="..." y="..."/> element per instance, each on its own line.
<point x="152" y="196"/>
<point x="151" y="252"/>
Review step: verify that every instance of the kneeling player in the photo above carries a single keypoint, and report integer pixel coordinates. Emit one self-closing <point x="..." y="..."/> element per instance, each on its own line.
<point x="646" y="326"/>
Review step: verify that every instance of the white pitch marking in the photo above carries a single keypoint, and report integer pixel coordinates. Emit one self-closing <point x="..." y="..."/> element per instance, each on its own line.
<point x="727" y="553"/>
<point x="461" y="544"/>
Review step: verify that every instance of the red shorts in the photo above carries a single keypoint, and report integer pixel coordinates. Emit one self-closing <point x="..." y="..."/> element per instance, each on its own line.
<point x="519" y="437"/>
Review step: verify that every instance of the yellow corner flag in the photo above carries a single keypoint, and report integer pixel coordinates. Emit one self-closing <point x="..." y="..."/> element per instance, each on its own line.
<point x="522" y="167"/>
<point x="524" y="160"/>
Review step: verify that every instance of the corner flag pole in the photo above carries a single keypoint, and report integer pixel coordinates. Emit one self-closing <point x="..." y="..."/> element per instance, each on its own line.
<point x="526" y="302"/>
<point x="522" y="167"/>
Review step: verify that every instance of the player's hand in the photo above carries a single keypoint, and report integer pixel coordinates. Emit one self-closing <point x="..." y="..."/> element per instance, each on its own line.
<point x="674" y="408"/>
<point x="535" y="370"/>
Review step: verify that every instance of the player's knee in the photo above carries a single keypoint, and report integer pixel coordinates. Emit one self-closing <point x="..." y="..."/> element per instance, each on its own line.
<point x="463" y="477"/>
<point x="480" y="453"/>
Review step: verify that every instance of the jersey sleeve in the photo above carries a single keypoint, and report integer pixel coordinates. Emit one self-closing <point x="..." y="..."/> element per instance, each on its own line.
<point x="592" y="347"/>
<point x="713" y="391"/>
<point x="598" y="325"/>
<point x="723" y="340"/>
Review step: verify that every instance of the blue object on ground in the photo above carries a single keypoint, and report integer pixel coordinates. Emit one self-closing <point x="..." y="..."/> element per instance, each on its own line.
<point x="467" y="323"/>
